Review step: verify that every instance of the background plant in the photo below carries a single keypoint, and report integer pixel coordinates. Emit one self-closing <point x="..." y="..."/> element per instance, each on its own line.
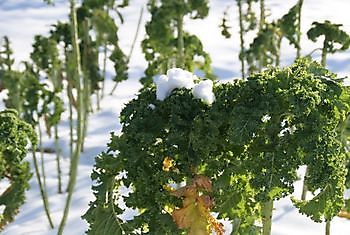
<point x="15" y="135"/>
<point x="168" y="45"/>
<point x="333" y="36"/>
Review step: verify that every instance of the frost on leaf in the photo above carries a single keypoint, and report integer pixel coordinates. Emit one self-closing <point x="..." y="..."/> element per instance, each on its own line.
<point x="195" y="213"/>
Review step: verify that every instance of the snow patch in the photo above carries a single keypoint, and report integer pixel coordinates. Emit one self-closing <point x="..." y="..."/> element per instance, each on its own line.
<point x="179" y="78"/>
<point x="204" y="91"/>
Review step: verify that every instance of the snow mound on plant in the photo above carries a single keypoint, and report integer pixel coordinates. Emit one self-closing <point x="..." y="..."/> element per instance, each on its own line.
<point x="179" y="78"/>
<point x="163" y="89"/>
<point x="175" y="78"/>
<point x="204" y="91"/>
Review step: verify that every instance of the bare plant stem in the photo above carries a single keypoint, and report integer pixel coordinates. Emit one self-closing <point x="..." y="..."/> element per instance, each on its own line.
<point x="261" y="27"/>
<point x="42" y="189"/>
<point x="132" y="45"/>
<point x="58" y="153"/>
<point x="324" y="53"/>
<point x="86" y="83"/>
<point x="42" y="155"/>
<point x="241" y="36"/>
<point x="262" y="15"/>
<point x="328" y="227"/>
<point x="299" y="28"/>
<point x="180" y="42"/>
<point x="71" y="129"/>
<point x="278" y="52"/>
<point x="303" y="194"/>
<point x="267" y="208"/>
<point x="77" y="150"/>
<point x="104" y="70"/>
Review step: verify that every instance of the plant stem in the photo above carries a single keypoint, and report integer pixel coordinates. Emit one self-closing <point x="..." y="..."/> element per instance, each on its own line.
<point x="103" y="75"/>
<point x="299" y="29"/>
<point x="261" y="27"/>
<point x="136" y="34"/>
<point x="58" y="153"/>
<point x="180" y="42"/>
<point x="104" y="69"/>
<point x="324" y="53"/>
<point x="303" y="194"/>
<point x="262" y="15"/>
<point x="42" y="155"/>
<point x="278" y="52"/>
<point x="132" y="45"/>
<point x="241" y="36"/>
<point x="267" y="208"/>
<point x="86" y="81"/>
<point x="328" y="227"/>
<point x="71" y="129"/>
<point x="42" y="189"/>
<point x="76" y="155"/>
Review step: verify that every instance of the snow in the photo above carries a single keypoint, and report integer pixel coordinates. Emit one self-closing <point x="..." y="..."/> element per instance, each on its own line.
<point x="175" y="78"/>
<point x="204" y="91"/>
<point x="179" y="78"/>
<point x="22" y="19"/>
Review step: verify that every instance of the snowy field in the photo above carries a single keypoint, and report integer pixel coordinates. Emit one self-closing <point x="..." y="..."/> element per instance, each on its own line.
<point x="20" y="20"/>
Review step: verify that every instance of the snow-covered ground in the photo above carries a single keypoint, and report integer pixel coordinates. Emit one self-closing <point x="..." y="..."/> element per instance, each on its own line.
<point x="22" y="19"/>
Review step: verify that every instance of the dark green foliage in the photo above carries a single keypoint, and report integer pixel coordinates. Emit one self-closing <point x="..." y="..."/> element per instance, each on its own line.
<point x="14" y="137"/>
<point x="332" y="33"/>
<point x="45" y="56"/>
<point x="265" y="48"/>
<point x="249" y="142"/>
<point x="249" y="19"/>
<point x="335" y="39"/>
<point x="6" y="60"/>
<point x="161" y="45"/>
<point x="97" y="18"/>
<point x="289" y="24"/>
<point x="225" y="28"/>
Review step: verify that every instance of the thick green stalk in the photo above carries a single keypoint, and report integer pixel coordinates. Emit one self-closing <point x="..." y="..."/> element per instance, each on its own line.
<point x="42" y="189"/>
<point x="303" y="194"/>
<point x="180" y="42"/>
<point x="328" y="227"/>
<point x="58" y="153"/>
<point x="71" y="129"/>
<point x="262" y="15"/>
<point x="324" y="53"/>
<point x="77" y="150"/>
<point x="267" y="208"/>
<point x="102" y="91"/>
<point x="278" y="52"/>
<point x="261" y="26"/>
<point x="104" y="69"/>
<point x="241" y="36"/>
<point x="86" y="82"/>
<point x="299" y="28"/>
<point x="42" y="155"/>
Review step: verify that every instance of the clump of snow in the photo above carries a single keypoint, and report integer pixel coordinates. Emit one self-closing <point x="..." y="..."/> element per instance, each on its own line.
<point x="152" y="106"/>
<point x="163" y="89"/>
<point x="289" y="130"/>
<point x="204" y="91"/>
<point x="346" y="82"/>
<point x="175" y="78"/>
<point x="179" y="78"/>
<point x="265" y="118"/>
